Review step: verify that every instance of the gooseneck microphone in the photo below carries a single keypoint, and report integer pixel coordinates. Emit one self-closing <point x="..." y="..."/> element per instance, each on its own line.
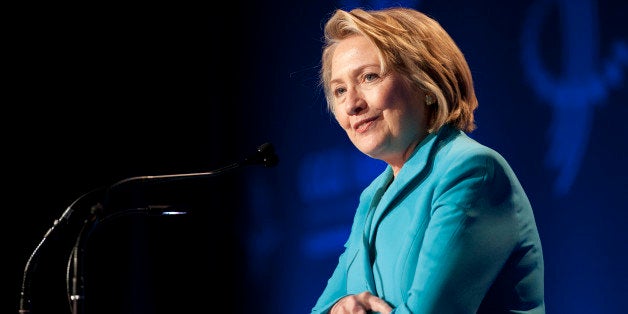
<point x="264" y="155"/>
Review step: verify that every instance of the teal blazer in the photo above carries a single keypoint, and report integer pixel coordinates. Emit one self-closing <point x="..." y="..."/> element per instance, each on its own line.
<point x="454" y="232"/>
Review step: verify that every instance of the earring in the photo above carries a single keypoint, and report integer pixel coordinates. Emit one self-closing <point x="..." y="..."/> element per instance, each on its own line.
<point x="429" y="100"/>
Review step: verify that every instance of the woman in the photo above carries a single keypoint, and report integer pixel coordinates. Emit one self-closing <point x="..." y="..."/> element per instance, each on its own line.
<point x="447" y="227"/>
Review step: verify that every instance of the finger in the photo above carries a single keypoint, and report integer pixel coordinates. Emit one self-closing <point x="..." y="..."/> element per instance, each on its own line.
<point x="378" y="305"/>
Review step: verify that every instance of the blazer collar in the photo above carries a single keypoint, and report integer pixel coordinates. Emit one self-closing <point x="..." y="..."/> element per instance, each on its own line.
<point x="416" y="165"/>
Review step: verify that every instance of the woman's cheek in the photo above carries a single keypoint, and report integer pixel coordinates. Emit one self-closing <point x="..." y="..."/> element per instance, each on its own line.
<point x="345" y="124"/>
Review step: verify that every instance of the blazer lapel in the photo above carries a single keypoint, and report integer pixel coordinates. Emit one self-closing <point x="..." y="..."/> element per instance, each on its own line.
<point x="411" y="174"/>
<point x="383" y="199"/>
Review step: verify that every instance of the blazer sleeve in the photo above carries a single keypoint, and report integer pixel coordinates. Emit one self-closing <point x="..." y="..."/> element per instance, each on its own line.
<point x="470" y="235"/>
<point x="335" y="288"/>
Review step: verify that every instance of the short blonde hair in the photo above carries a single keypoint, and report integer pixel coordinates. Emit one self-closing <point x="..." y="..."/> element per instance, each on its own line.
<point x="416" y="46"/>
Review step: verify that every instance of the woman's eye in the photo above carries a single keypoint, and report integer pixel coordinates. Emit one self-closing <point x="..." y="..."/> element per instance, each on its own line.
<point x="339" y="91"/>
<point x="371" y="77"/>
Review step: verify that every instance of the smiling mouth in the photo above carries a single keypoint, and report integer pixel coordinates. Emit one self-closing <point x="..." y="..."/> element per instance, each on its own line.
<point x="364" y="125"/>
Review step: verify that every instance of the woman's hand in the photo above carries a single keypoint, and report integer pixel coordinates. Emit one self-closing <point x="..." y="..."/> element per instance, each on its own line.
<point x="361" y="303"/>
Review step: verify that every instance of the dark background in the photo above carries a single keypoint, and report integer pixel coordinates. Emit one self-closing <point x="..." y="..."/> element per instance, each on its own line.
<point x="99" y="93"/>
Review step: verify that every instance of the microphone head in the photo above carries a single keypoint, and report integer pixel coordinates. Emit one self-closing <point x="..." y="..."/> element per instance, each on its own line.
<point x="269" y="157"/>
<point x="265" y="155"/>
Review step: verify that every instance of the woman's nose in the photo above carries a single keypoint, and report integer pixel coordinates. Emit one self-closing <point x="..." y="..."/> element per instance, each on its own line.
<point x="355" y="102"/>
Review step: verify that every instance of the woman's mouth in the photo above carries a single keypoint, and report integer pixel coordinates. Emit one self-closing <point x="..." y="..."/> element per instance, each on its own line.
<point x="363" y="125"/>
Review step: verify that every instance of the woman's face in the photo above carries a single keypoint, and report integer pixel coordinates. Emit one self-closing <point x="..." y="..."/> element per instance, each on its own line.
<point x="384" y="116"/>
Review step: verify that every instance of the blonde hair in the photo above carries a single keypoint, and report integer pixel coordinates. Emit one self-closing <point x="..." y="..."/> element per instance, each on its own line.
<point x="416" y="46"/>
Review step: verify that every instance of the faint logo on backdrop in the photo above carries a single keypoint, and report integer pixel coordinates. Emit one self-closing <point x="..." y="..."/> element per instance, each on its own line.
<point x="582" y="82"/>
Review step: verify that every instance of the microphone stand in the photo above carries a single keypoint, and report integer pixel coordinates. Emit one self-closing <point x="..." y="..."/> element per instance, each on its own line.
<point x="265" y="155"/>
<point x="78" y="251"/>
<point x="31" y="263"/>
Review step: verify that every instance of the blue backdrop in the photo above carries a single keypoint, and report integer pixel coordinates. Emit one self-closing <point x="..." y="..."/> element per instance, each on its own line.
<point x="127" y="91"/>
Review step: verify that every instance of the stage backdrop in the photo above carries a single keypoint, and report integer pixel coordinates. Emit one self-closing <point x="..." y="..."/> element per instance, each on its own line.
<point x="117" y="92"/>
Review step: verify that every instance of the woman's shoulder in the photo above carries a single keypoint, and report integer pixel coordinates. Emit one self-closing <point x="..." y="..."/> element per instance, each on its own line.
<point x="463" y="154"/>
<point x="461" y="146"/>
